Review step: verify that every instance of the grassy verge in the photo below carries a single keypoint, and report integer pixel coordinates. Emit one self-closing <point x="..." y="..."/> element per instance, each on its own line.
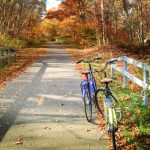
<point x="134" y="130"/>
<point x="25" y="58"/>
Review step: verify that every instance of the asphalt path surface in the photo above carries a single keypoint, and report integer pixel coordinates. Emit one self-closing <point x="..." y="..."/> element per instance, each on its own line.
<point x="42" y="109"/>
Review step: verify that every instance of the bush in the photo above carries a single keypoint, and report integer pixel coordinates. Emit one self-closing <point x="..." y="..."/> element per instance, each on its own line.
<point x="136" y="120"/>
<point x="88" y="37"/>
<point x="11" y="42"/>
<point x="34" y="41"/>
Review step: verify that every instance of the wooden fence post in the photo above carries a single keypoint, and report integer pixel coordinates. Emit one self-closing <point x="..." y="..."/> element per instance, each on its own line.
<point x="125" y="67"/>
<point x="145" y="82"/>
<point x="112" y="71"/>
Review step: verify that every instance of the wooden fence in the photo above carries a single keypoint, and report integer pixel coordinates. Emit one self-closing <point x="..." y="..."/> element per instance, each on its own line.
<point x="7" y="55"/>
<point x="142" y="83"/>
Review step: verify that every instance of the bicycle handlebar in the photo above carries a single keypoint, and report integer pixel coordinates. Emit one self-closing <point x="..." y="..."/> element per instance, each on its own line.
<point x="96" y="58"/>
<point x="107" y="63"/>
<point x="113" y="61"/>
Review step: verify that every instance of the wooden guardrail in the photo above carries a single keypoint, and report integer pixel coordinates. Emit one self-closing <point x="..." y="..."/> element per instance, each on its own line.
<point x="146" y="70"/>
<point x="7" y="54"/>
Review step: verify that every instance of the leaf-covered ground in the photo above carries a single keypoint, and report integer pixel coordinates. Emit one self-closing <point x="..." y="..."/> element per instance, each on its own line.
<point x="134" y="130"/>
<point x="25" y="58"/>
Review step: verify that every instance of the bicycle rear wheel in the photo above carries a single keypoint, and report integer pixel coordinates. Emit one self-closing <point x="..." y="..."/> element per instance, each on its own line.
<point x="88" y="105"/>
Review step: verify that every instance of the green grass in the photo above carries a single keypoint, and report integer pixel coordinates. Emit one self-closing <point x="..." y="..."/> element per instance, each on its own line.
<point x="136" y="121"/>
<point x="1" y="67"/>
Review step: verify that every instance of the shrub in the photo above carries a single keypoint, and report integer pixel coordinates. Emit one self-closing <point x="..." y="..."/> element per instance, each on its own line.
<point x="11" y="42"/>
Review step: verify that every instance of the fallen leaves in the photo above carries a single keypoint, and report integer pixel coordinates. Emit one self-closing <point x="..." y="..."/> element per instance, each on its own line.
<point x="78" y="137"/>
<point x="71" y="93"/>
<point x="48" y="128"/>
<point x="25" y="58"/>
<point x="88" y="130"/>
<point x="62" y="104"/>
<point x="19" y="140"/>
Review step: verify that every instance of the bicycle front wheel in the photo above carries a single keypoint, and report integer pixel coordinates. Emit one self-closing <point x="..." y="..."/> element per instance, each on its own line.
<point x="88" y="105"/>
<point x="117" y="109"/>
<point x="99" y="100"/>
<point x="113" y="138"/>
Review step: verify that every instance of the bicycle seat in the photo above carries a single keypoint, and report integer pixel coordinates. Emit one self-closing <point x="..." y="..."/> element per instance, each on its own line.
<point x="85" y="72"/>
<point x="106" y="80"/>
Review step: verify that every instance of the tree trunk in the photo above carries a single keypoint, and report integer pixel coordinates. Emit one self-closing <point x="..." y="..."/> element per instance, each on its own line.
<point x="19" y="20"/>
<point x="103" y="23"/>
<point x="115" y="21"/>
<point x="98" y="22"/>
<point x="141" y="22"/>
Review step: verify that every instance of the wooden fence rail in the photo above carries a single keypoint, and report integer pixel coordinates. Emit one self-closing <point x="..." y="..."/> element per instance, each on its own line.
<point x="8" y="54"/>
<point x="142" y="83"/>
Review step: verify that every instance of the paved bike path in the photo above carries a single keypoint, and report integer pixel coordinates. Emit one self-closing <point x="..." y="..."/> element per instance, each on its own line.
<point x="42" y="109"/>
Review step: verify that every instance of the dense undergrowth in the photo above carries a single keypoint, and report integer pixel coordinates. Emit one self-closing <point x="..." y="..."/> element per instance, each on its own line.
<point x="11" y="42"/>
<point x="8" y="41"/>
<point x="134" y="130"/>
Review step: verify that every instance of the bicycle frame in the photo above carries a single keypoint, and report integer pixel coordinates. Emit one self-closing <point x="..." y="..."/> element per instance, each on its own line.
<point x="109" y="107"/>
<point x="90" y="82"/>
<point x="88" y="88"/>
<point x="111" y="112"/>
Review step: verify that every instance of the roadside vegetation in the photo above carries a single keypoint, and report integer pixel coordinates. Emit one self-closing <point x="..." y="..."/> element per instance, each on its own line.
<point x="18" y="27"/>
<point x="25" y="58"/>
<point x="134" y="130"/>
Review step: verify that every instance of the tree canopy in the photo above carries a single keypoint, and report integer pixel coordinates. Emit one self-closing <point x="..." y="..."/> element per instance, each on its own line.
<point x="82" y="22"/>
<point x="18" y="17"/>
<point x="110" y="21"/>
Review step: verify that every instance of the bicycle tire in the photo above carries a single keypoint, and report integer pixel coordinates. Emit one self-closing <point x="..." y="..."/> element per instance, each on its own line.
<point x="113" y="138"/>
<point x="88" y="105"/>
<point x="117" y="108"/>
<point x="114" y="114"/>
<point x="95" y="88"/>
<point x="99" y="100"/>
<point x="100" y="97"/>
<point x="111" y="114"/>
<point x="111" y="125"/>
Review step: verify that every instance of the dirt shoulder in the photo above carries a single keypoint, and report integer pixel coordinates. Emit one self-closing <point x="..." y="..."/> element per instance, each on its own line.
<point x="25" y="58"/>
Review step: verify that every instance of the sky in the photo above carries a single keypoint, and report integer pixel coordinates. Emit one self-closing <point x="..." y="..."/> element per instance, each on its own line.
<point x="51" y="3"/>
<point x="54" y="3"/>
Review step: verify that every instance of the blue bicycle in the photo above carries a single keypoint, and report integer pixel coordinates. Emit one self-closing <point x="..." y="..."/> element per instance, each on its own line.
<point x="88" y="88"/>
